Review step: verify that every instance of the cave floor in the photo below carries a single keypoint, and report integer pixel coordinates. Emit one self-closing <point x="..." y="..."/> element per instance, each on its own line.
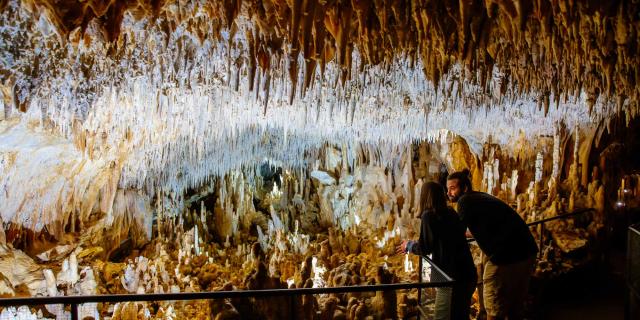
<point x="594" y="292"/>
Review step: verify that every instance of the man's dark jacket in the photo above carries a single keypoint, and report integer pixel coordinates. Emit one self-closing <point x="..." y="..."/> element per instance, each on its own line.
<point x="500" y="232"/>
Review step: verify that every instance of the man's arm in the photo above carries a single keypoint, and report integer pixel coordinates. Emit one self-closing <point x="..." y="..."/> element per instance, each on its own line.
<point x="466" y="216"/>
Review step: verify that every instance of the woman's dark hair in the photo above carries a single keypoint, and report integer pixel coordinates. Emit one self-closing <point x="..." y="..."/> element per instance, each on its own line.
<point x="432" y="198"/>
<point x="463" y="179"/>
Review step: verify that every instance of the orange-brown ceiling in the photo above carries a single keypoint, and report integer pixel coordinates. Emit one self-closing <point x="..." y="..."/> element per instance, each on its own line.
<point x="553" y="48"/>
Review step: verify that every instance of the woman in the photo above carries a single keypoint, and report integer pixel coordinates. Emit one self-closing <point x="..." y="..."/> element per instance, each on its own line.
<point x="443" y="235"/>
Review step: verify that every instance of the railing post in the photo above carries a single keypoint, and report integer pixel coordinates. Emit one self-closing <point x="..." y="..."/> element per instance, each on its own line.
<point x="419" y="289"/>
<point x="541" y="248"/>
<point x="292" y="307"/>
<point x="74" y="311"/>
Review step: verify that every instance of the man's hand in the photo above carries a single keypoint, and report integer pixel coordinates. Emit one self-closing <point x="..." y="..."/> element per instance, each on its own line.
<point x="402" y="248"/>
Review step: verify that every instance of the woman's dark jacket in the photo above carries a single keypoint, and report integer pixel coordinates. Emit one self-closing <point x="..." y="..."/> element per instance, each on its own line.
<point x="443" y="235"/>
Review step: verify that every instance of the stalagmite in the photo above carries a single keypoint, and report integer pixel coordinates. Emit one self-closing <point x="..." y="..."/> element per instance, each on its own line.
<point x="538" y="166"/>
<point x="52" y="290"/>
<point x="22" y="313"/>
<point x="196" y="240"/>
<point x="408" y="265"/>
<point x="556" y="156"/>
<point x="514" y="184"/>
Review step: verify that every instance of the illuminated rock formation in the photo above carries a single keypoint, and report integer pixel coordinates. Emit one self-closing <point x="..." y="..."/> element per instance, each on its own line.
<point x="176" y="146"/>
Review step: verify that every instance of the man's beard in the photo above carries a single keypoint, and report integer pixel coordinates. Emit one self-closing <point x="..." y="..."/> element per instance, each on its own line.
<point x="454" y="199"/>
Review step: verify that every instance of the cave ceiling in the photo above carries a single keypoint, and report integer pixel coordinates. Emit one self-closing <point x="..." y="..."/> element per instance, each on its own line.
<point x="159" y="86"/>
<point x="549" y="47"/>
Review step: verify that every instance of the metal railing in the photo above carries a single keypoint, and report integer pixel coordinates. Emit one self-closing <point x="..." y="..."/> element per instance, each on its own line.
<point x="558" y="217"/>
<point x="541" y="222"/>
<point x="632" y="273"/>
<point x="436" y="273"/>
<point x="74" y="301"/>
<point x="446" y="281"/>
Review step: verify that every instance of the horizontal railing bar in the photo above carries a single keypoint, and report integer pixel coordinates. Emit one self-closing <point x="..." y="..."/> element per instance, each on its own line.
<point x="113" y="298"/>
<point x="561" y="216"/>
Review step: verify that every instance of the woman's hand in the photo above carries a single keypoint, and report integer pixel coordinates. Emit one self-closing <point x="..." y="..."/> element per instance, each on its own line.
<point x="402" y="248"/>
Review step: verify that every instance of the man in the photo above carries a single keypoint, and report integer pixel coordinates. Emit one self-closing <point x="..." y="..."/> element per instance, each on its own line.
<point x="505" y="240"/>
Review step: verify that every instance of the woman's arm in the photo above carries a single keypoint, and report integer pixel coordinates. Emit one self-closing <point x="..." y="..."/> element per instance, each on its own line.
<point x="424" y="244"/>
<point x="403" y="247"/>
